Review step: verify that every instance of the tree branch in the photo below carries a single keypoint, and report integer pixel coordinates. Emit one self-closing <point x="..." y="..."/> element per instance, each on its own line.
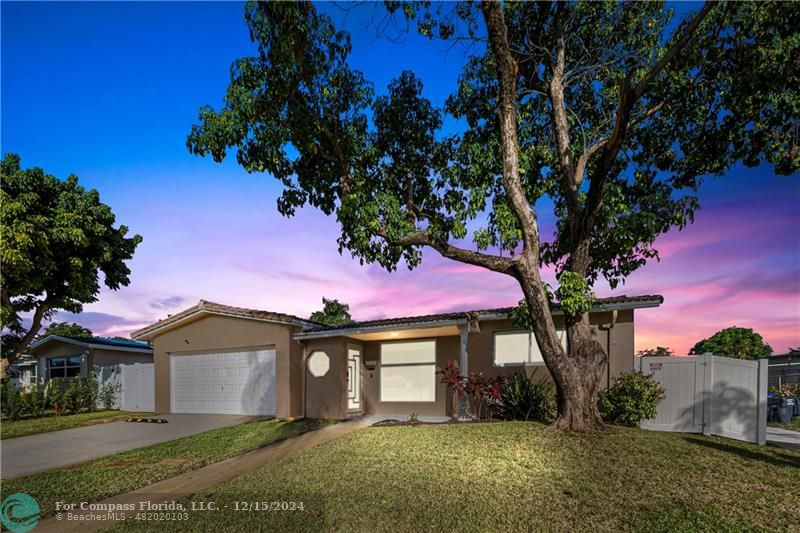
<point x="673" y="50"/>
<point x="507" y="73"/>
<point x="496" y="263"/>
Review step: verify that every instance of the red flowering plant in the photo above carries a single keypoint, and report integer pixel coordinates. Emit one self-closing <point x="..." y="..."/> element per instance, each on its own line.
<point x="451" y="376"/>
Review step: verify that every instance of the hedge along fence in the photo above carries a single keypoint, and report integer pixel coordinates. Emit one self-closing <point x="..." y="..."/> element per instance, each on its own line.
<point x="57" y="396"/>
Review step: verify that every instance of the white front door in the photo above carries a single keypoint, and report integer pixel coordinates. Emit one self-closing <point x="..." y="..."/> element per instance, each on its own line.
<point x="353" y="379"/>
<point x="238" y="382"/>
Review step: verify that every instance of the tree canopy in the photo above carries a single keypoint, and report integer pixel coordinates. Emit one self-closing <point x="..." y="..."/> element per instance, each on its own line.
<point x="57" y="241"/>
<point x="65" y="329"/>
<point x="659" y="351"/>
<point x="334" y="313"/>
<point x="610" y="112"/>
<point x="740" y="343"/>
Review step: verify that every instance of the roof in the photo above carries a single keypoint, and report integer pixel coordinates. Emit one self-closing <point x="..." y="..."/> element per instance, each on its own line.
<point x="96" y="342"/>
<point x="204" y="307"/>
<point x="601" y="304"/>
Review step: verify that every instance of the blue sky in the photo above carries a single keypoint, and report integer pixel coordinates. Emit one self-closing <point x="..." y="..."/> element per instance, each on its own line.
<point x="109" y="91"/>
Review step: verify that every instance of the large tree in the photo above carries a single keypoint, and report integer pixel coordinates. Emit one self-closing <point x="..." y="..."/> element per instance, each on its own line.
<point x="334" y="313"/>
<point x="56" y="239"/>
<point x="65" y="329"/>
<point x="610" y="112"/>
<point x="740" y="343"/>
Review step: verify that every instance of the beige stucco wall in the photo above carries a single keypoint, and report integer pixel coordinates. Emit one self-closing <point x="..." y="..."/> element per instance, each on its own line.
<point x="446" y="348"/>
<point x="325" y="395"/>
<point x="326" y="398"/>
<point x="221" y="333"/>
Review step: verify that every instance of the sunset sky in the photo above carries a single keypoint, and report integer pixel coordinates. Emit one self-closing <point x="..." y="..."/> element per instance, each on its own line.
<point x="109" y="92"/>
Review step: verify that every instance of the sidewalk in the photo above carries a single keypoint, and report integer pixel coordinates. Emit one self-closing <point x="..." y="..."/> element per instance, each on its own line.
<point x="209" y="476"/>
<point x="785" y="438"/>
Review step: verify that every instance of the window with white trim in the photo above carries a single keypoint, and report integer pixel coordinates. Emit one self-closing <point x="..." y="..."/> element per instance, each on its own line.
<point x="64" y="367"/>
<point x="408" y="371"/>
<point x="520" y="347"/>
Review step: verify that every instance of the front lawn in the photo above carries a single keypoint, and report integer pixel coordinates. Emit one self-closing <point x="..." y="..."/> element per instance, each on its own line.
<point x="513" y="476"/>
<point x="32" y="426"/>
<point x="123" y="472"/>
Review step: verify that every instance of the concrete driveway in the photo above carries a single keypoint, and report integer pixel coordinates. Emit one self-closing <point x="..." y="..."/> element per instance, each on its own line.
<point x="28" y="455"/>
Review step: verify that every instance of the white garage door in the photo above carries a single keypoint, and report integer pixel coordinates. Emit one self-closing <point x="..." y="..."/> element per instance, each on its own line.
<point x="240" y="383"/>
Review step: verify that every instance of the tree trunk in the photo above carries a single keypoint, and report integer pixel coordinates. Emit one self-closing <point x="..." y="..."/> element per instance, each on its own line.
<point x="27" y="339"/>
<point x="576" y="373"/>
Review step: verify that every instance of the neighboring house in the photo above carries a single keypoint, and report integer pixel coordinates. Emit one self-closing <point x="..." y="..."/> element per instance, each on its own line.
<point x="784" y="368"/>
<point x="214" y="358"/>
<point x="24" y="371"/>
<point x="68" y="357"/>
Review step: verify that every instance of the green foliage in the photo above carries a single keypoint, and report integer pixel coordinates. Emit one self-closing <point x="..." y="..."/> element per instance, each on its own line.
<point x="54" y="394"/>
<point x="633" y="397"/>
<point x="524" y="398"/>
<point x="73" y="396"/>
<point x="35" y="400"/>
<point x="574" y="294"/>
<point x="109" y="394"/>
<point x="740" y="343"/>
<point x="334" y="313"/>
<point x="56" y="240"/>
<point x="91" y="390"/>
<point x="12" y="402"/>
<point x="659" y="351"/>
<point x="64" y="329"/>
<point x="298" y="111"/>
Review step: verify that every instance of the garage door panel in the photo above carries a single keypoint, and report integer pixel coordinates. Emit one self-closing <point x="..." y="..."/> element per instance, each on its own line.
<point x="241" y="382"/>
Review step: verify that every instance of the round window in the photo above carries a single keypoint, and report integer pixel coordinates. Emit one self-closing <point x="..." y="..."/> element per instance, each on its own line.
<point x="318" y="364"/>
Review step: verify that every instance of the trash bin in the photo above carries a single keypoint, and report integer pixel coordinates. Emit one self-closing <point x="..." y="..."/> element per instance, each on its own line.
<point x="786" y="410"/>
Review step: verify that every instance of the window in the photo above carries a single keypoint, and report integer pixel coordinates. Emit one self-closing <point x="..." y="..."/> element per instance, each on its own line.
<point x="64" y="367"/>
<point x="519" y="347"/>
<point x="318" y="364"/>
<point x="408" y="371"/>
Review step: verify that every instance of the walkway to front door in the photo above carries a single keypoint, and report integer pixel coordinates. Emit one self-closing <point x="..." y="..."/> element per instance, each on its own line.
<point x="354" y="381"/>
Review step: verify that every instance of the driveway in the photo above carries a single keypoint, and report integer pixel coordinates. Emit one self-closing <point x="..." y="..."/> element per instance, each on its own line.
<point x="28" y="455"/>
<point x="785" y="438"/>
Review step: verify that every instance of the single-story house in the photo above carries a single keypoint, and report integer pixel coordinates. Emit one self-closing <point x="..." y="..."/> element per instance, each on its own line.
<point x="68" y="357"/>
<point x="214" y="358"/>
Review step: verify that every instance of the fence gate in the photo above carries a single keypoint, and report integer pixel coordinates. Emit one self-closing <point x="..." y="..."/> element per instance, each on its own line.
<point x="711" y="395"/>
<point x="136" y="382"/>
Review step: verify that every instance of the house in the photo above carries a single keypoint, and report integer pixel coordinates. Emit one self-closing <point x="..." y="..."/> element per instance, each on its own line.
<point x="214" y="358"/>
<point x="24" y="371"/>
<point x="784" y="368"/>
<point x="67" y="357"/>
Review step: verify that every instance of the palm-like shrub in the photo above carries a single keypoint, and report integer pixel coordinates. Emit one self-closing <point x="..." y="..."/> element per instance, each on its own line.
<point x="524" y="398"/>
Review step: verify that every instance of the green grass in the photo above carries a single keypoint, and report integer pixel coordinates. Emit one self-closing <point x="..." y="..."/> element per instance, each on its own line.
<point x="32" y="426"/>
<point x="794" y="425"/>
<point x="123" y="472"/>
<point x="513" y="477"/>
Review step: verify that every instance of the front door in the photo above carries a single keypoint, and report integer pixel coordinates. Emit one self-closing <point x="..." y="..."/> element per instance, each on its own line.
<point x="353" y="379"/>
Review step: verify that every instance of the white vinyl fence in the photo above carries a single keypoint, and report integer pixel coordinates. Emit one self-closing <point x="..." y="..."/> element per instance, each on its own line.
<point x="711" y="395"/>
<point x="137" y="385"/>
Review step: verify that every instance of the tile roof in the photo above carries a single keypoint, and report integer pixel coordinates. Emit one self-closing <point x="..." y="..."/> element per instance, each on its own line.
<point x="213" y="307"/>
<point x="601" y="304"/>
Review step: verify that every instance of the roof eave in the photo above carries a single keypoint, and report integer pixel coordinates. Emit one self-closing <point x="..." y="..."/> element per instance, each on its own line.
<point x="344" y="332"/>
<point x="151" y="332"/>
<point x="76" y="342"/>
<point x="347" y="332"/>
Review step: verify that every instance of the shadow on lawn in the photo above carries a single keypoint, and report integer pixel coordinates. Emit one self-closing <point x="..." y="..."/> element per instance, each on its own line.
<point x="773" y="457"/>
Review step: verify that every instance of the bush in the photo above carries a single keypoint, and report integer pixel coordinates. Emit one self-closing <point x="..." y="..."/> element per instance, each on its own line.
<point x="35" y="401"/>
<point x="54" y="397"/>
<point x="12" y="402"/>
<point x="109" y="393"/>
<point x="90" y="392"/>
<point x="523" y="398"/>
<point x="74" y="396"/>
<point x="633" y="397"/>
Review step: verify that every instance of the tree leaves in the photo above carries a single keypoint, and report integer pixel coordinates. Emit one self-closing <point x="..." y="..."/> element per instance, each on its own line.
<point x="56" y="240"/>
